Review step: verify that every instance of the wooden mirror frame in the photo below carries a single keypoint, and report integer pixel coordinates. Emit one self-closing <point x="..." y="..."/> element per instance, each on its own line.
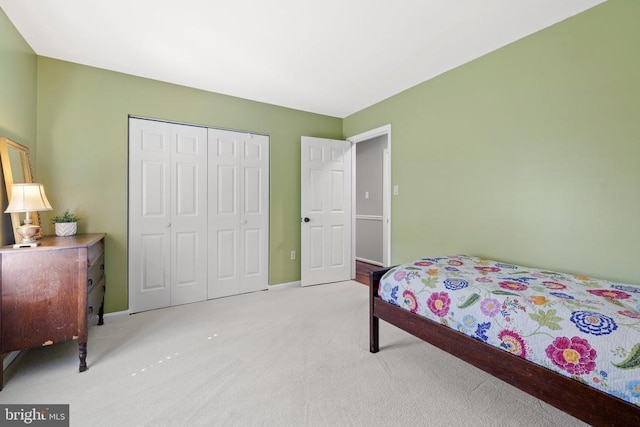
<point x="7" y="147"/>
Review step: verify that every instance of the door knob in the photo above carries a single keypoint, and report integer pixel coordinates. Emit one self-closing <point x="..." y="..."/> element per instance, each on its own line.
<point x="306" y="219"/>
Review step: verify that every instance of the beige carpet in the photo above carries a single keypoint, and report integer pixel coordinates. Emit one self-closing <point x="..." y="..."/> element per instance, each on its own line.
<point x="285" y="357"/>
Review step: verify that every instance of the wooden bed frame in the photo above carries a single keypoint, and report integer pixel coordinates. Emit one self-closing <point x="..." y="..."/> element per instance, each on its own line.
<point x="568" y="395"/>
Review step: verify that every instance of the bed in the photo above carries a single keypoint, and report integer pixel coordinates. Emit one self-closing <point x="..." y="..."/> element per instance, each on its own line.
<point x="571" y="341"/>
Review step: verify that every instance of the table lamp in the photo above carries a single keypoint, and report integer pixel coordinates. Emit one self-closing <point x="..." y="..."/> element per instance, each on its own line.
<point x="28" y="198"/>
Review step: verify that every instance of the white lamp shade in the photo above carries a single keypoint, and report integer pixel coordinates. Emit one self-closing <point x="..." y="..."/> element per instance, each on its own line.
<point x="28" y="197"/>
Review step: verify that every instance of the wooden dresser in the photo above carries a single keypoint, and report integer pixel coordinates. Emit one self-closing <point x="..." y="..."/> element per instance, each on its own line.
<point x="51" y="293"/>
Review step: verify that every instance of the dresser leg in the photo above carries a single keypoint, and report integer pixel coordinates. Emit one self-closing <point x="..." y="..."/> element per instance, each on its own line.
<point x="101" y="314"/>
<point x="82" y="352"/>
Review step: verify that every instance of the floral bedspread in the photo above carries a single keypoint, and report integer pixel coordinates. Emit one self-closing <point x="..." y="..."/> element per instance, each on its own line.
<point x="584" y="328"/>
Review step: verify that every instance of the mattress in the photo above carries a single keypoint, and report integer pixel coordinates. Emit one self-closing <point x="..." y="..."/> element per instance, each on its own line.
<point x="581" y="327"/>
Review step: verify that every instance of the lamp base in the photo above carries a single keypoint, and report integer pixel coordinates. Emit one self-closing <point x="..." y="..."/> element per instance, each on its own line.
<point x="28" y="233"/>
<point x="26" y="245"/>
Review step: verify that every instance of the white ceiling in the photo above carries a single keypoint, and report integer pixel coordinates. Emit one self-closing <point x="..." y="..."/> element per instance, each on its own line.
<point x="332" y="57"/>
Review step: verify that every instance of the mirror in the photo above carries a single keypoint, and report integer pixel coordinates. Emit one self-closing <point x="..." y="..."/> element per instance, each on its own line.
<point x="16" y="166"/>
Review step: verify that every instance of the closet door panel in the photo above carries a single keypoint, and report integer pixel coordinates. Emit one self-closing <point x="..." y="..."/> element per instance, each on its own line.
<point x="255" y="216"/>
<point x="149" y="215"/>
<point x="225" y="276"/>
<point x="227" y="191"/>
<point x="251" y="255"/>
<point x="224" y="205"/>
<point x="167" y="214"/>
<point x="151" y="269"/>
<point x="238" y="213"/>
<point x="226" y="261"/>
<point x="189" y="214"/>
<point x="186" y="286"/>
<point x="252" y="191"/>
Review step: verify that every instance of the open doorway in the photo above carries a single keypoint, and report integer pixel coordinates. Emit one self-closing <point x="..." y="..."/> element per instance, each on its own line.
<point x="371" y="197"/>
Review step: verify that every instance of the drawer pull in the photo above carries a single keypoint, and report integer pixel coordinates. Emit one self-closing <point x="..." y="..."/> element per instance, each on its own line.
<point x="89" y="283"/>
<point x="102" y="266"/>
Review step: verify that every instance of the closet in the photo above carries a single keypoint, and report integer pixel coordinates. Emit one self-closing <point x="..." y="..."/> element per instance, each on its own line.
<point x="198" y="213"/>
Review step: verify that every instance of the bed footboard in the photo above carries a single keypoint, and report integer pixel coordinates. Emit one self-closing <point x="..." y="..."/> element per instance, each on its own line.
<point x="566" y="394"/>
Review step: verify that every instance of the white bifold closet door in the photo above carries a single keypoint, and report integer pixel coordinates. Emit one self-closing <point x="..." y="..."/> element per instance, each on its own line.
<point x="238" y="212"/>
<point x="198" y="213"/>
<point x="167" y="214"/>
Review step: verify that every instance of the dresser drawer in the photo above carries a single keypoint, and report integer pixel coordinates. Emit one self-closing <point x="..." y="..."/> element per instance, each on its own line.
<point x="94" y="252"/>
<point x="51" y="293"/>
<point x="95" y="273"/>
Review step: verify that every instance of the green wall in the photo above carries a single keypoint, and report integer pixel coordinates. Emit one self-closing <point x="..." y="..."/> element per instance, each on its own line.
<point x="18" y="73"/>
<point x="82" y="153"/>
<point x="529" y="154"/>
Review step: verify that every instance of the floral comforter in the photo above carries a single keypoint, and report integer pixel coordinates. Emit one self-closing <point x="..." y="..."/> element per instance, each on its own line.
<point x="580" y="327"/>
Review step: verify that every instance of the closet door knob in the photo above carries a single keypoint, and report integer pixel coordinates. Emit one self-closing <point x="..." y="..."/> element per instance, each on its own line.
<point x="306" y="219"/>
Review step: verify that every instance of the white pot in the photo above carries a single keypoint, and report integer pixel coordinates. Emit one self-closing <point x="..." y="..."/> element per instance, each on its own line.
<point x="66" y="228"/>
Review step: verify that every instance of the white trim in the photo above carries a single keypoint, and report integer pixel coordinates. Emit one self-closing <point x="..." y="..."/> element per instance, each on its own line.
<point x="368" y="261"/>
<point x="153" y="119"/>
<point x="386" y="204"/>
<point x="117" y="314"/>
<point x="353" y="209"/>
<point x="386" y="192"/>
<point x="8" y="358"/>
<point x="370" y="217"/>
<point x="277" y="286"/>
<point x="370" y="134"/>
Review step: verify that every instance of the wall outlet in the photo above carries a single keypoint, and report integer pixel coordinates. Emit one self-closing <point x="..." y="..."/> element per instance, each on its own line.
<point x="293" y="254"/>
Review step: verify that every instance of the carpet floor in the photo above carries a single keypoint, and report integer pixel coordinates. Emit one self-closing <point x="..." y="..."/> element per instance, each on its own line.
<point x="288" y="356"/>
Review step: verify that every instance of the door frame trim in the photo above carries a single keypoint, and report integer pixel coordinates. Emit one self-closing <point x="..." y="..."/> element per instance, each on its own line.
<point x="386" y="194"/>
<point x="153" y="119"/>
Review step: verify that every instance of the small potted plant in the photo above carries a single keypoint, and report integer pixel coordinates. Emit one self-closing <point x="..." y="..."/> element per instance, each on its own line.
<point x="65" y="224"/>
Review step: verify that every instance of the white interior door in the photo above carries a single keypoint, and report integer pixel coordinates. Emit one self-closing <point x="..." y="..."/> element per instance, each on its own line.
<point x="326" y="211"/>
<point x="167" y="214"/>
<point x="238" y="212"/>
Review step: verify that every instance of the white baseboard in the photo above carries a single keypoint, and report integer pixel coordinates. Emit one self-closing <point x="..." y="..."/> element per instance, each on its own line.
<point x="8" y="358"/>
<point x="116" y="314"/>
<point x="296" y="284"/>
<point x="368" y="261"/>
